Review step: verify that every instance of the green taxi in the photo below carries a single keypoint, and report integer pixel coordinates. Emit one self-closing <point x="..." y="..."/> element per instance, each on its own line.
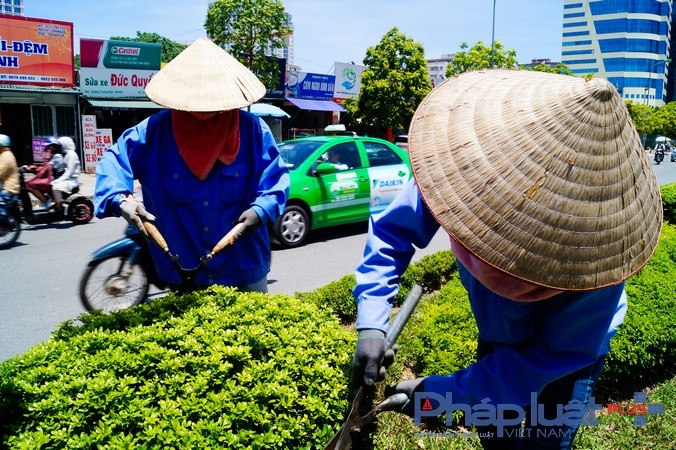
<point x="337" y="180"/>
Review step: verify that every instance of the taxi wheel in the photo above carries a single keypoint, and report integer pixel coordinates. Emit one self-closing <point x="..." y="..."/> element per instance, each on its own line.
<point x="292" y="227"/>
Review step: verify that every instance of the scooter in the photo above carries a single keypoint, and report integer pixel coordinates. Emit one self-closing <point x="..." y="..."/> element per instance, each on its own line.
<point x="10" y="225"/>
<point x="659" y="154"/>
<point x="77" y="208"/>
<point x="119" y="274"/>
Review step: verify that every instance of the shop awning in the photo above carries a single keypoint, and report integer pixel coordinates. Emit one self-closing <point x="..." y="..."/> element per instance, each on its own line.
<point x="316" y="105"/>
<point x="266" y="110"/>
<point x="127" y="104"/>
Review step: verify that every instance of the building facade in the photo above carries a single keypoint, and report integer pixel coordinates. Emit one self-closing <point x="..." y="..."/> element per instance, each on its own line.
<point x="11" y="7"/>
<point x="626" y="42"/>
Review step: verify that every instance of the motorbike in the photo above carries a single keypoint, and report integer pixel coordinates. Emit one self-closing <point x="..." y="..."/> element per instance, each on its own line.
<point x="119" y="274"/>
<point x="77" y="208"/>
<point x="659" y="154"/>
<point x="10" y="225"/>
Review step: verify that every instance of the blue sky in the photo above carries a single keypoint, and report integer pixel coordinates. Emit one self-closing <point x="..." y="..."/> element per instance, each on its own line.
<point x="328" y="31"/>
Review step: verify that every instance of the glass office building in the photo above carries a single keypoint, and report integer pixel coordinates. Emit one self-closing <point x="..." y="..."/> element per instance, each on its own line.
<point x="624" y="41"/>
<point x="11" y="7"/>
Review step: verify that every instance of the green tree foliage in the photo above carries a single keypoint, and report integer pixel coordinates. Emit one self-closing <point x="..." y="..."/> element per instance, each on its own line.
<point x="394" y="82"/>
<point x="642" y="116"/>
<point x="560" y="69"/>
<point x="481" y="57"/>
<point x="170" y="49"/>
<point x="665" y="120"/>
<point x="250" y="31"/>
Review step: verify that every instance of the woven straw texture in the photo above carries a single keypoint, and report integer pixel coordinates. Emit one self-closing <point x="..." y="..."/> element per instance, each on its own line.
<point x="542" y="176"/>
<point x="205" y="78"/>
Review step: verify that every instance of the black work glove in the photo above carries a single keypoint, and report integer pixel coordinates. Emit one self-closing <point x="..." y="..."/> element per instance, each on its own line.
<point x="408" y="387"/>
<point x="135" y="213"/>
<point x="250" y="221"/>
<point x="371" y="360"/>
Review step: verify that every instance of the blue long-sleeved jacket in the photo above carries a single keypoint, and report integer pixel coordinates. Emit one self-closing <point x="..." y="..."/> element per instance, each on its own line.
<point x="535" y="342"/>
<point x="193" y="214"/>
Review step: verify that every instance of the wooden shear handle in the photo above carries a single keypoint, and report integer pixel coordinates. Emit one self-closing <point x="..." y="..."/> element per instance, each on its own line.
<point x="226" y="240"/>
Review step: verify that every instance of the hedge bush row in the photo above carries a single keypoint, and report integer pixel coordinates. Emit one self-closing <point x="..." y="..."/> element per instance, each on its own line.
<point x="232" y="371"/>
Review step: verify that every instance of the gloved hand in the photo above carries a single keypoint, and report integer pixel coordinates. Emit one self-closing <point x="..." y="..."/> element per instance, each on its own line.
<point x="408" y="387"/>
<point x="371" y="360"/>
<point x="251" y="222"/>
<point x="134" y="212"/>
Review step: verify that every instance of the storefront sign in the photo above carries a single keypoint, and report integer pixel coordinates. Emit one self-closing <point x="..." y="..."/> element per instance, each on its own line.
<point x="36" y="51"/>
<point x="348" y="81"/>
<point x="312" y="86"/>
<point x="117" y="68"/>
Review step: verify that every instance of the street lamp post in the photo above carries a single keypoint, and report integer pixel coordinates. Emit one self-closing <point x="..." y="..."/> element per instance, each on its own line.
<point x="650" y="79"/>
<point x="493" y="38"/>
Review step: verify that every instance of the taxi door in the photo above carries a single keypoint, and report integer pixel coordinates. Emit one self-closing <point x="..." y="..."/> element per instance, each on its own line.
<point x="346" y="193"/>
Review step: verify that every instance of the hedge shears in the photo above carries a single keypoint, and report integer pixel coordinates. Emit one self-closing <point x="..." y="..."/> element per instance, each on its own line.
<point x="342" y="440"/>
<point x="188" y="282"/>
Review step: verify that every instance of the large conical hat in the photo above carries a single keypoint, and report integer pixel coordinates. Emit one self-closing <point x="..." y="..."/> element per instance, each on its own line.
<point x="205" y="78"/>
<point x="542" y="176"/>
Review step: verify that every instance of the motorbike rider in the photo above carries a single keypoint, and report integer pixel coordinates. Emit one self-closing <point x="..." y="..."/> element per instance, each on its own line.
<point x="659" y="152"/>
<point x="9" y="176"/>
<point x="40" y="185"/>
<point x="68" y="181"/>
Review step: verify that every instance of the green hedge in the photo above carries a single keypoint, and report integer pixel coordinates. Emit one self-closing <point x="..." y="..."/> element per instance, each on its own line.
<point x="233" y="371"/>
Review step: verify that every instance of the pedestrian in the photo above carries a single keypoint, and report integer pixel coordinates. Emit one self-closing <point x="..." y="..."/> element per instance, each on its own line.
<point x="203" y="165"/>
<point x="64" y="185"/>
<point x="541" y="183"/>
<point x="9" y="176"/>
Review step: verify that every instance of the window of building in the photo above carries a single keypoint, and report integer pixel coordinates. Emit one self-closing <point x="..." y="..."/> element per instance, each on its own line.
<point x="576" y="33"/>
<point x="52" y="120"/>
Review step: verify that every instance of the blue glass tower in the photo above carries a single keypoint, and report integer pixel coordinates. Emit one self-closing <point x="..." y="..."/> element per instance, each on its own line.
<point x="624" y="41"/>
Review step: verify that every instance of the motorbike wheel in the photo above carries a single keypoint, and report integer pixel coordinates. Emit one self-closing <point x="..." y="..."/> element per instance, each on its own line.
<point x="105" y="285"/>
<point x="80" y="211"/>
<point x="10" y="229"/>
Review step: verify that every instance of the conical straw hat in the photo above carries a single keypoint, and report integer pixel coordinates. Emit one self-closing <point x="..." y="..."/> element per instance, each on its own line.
<point x="542" y="176"/>
<point x="205" y="78"/>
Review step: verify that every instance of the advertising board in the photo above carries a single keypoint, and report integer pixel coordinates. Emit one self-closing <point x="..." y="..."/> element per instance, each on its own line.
<point x="36" y="51"/>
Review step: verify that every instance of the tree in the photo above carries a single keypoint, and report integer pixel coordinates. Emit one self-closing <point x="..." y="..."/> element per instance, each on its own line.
<point x="480" y="57"/>
<point x="251" y="31"/>
<point x="642" y="116"/>
<point x="170" y="49"/>
<point x="393" y="83"/>
<point x="560" y="69"/>
<point x="665" y="120"/>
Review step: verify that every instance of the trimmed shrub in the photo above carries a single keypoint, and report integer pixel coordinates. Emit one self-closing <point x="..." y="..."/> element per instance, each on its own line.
<point x="234" y="371"/>
<point x="644" y="350"/>
<point x="669" y="202"/>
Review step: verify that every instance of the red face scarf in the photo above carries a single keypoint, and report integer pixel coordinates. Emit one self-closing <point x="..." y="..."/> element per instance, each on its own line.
<point x="202" y="141"/>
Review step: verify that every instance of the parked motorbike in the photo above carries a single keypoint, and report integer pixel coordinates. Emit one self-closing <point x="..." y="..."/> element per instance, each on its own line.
<point x="119" y="274"/>
<point x="10" y="225"/>
<point x="77" y="208"/>
<point x="659" y="154"/>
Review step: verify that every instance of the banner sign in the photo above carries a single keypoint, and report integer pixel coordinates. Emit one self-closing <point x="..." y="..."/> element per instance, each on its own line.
<point x="311" y="86"/>
<point x="120" y="54"/>
<point x="89" y="142"/>
<point x="111" y="69"/>
<point x="348" y="81"/>
<point x="36" y="51"/>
